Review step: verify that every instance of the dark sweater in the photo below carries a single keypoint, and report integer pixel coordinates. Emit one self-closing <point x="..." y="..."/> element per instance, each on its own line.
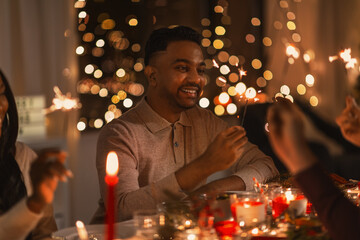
<point x="338" y="214"/>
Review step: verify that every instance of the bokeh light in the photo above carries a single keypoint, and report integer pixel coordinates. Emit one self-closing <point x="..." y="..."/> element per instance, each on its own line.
<point x="98" y="123"/>
<point x="314" y="101"/>
<point x="218" y="44"/>
<point x="224" y="69"/>
<point x="284" y="89"/>
<point x="301" y="89"/>
<point x="103" y="92"/>
<point x="224" y="98"/>
<point x="267" y="41"/>
<point x="89" y="69"/>
<point x="81" y="126"/>
<point x="127" y="103"/>
<point x="255" y="21"/>
<point x="250" y="38"/>
<point x="256" y="63"/>
<point x="232" y="91"/>
<point x="100" y="43"/>
<point x="310" y="80"/>
<point x="231" y="108"/>
<point x="80" y="50"/>
<point x="204" y="102"/>
<point x="240" y="88"/>
<point x="268" y="75"/>
<point x="219" y="110"/>
<point x="220" y="30"/>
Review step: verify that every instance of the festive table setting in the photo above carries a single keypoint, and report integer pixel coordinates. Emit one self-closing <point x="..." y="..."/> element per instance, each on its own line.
<point x="273" y="210"/>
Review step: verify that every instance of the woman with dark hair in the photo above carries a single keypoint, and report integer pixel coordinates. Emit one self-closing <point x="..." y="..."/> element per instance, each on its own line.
<point x="27" y="182"/>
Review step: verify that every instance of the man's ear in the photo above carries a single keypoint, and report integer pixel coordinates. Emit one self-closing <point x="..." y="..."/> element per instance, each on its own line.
<point x="150" y="73"/>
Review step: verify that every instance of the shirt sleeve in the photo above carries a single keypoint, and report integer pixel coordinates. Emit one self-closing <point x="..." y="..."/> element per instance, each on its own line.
<point x="18" y="222"/>
<point x="129" y="195"/>
<point x="339" y="215"/>
<point x="254" y="163"/>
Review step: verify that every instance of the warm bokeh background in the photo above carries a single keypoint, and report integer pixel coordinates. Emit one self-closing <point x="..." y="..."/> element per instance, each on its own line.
<point x="93" y="50"/>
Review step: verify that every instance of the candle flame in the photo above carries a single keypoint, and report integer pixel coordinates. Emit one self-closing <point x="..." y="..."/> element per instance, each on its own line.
<point x="289" y="196"/>
<point x="112" y="164"/>
<point x="82" y="232"/>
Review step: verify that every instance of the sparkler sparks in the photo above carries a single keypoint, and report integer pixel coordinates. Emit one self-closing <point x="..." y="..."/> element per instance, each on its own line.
<point x="345" y="55"/>
<point x="215" y="64"/>
<point x="241" y="72"/>
<point x="63" y="102"/>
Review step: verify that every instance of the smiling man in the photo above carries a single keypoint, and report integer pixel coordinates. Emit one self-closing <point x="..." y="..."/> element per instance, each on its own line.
<point x="167" y="145"/>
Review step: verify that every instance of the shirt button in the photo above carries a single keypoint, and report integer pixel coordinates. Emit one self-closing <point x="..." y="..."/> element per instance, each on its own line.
<point x="176" y="144"/>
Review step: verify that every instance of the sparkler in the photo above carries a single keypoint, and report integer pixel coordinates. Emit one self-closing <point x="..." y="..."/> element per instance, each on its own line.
<point x="345" y="55"/>
<point x="249" y="94"/>
<point x="241" y="72"/>
<point x="215" y="64"/>
<point x="63" y="102"/>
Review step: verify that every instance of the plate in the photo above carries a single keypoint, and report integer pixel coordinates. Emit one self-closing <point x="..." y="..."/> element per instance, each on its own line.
<point x="124" y="229"/>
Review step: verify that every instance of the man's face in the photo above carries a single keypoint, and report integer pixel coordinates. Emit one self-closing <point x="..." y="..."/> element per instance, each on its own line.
<point x="180" y="74"/>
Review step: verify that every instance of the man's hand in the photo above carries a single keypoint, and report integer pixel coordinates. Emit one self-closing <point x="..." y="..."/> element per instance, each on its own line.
<point x="220" y="154"/>
<point x="225" y="149"/>
<point x="45" y="173"/>
<point x="349" y="121"/>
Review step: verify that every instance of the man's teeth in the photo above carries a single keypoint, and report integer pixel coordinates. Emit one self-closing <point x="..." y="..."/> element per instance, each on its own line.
<point x="189" y="91"/>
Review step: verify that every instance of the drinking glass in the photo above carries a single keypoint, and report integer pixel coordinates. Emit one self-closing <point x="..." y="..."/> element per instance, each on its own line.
<point x="146" y="222"/>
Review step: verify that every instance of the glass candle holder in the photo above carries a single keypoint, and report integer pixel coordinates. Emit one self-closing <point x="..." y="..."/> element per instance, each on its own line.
<point x="248" y="208"/>
<point x="289" y="198"/>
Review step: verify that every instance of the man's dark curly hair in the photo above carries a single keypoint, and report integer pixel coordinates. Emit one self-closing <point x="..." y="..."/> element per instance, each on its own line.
<point x="160" y="38"/>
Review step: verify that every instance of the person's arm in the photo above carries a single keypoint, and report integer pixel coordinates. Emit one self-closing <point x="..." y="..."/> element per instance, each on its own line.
<point x="340" y="216"/>
<point x="286" y="135"/>
<point x="34" y="214"/>
<point x="18" y="222"/>
<point x="251" y="163"/>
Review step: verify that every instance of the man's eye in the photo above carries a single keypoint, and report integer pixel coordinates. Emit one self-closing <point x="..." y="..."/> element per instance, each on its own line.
<point x="182" y="68"/>
<point x="201" y="71"/>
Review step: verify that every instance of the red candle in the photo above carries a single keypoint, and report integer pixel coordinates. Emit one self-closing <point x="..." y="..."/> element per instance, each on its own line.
<point x="111" y="179"/>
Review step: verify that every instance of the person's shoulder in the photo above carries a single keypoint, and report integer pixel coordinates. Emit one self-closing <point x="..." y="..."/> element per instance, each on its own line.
<point x="24" y="155"/>
<point x="23" y="149"/>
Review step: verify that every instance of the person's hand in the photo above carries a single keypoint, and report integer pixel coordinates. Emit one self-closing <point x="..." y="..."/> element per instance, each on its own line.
<point x="286" y="135"/>
<point x="349" y="121"/>
<point x="45" y="173"/>
<point x="220" y="154"/>
<point x="226" y="148"/>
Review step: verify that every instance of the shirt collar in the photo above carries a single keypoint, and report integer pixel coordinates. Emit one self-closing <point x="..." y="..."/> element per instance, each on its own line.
<point x="154" y="122"/>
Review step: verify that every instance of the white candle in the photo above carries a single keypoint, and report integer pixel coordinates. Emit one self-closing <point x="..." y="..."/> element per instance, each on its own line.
<point x="250" y="213"/>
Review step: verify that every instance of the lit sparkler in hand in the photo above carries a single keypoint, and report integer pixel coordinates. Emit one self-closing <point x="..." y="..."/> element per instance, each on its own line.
<point x="250" y="93"/>
<point x="63" y="102"/>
